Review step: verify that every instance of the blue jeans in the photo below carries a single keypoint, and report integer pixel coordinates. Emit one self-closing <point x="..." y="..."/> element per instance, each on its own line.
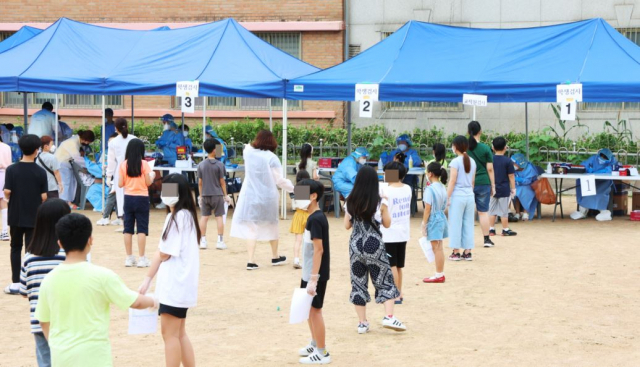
<point x="43" y="354"/>
<point x="483" y="197"/>
<point x="461" y="222"/>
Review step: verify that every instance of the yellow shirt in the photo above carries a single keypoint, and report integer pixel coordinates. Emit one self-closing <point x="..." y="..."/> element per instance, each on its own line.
<point x="75" y="300"/>
<point x="69" y="149"/>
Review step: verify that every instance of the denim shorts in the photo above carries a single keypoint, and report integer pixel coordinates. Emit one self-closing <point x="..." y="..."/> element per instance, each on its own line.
<point x="482" y="195"/>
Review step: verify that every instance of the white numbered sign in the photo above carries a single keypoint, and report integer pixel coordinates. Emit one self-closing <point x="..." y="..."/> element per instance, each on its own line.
<point x="188" y="88"/>
<point x="477" y="100"/>
<point x="568" y="93"/>
<point x="568" y="110"/>
<point x="588" y="185"/>
<point x="188" y="104"/>
<point x="366" y="108"/>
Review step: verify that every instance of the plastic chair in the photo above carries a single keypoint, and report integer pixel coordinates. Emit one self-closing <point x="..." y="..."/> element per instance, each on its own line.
<point x="81" y="189"/>
<point x="328" y="194"/>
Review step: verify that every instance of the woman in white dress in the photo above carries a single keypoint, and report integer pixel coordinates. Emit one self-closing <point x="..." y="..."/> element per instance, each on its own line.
<point x="115" y="156"/>
<point x="256" y="216"/>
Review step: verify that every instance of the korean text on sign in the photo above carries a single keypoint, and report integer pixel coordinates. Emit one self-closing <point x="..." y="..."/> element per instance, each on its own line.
<point x="187" y="88"/>
<point x="569" y="93"/>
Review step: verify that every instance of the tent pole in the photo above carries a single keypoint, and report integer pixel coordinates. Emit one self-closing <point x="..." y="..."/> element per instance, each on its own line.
<point x="26" y="111"/>
<point x="132" y="117"/>
<point x="284" y="155"/>
<point x="349" y="128"/>
<point x="57" y="124"/>
<point x="270" y="117"/>
<point x="526" y="127"/>
<point x="204" y="121"/>
<point x="104" y="178"/>
<point x="474" y="113"/>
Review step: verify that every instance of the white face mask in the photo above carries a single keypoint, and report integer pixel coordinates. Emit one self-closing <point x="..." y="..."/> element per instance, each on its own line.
<point x="362" y="160"/>
<point x="52" y="149"/>
<point x="185" y="134"/>
<point x="303" y="204"/>
<point x="165" y="127"/>
<point x="170" y="201"/>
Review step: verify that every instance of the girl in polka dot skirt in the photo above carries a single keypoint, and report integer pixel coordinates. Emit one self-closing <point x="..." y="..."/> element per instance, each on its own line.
<point x="367" y="250"/>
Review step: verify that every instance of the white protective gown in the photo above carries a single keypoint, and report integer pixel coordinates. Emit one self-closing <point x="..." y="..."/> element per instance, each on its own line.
<point x="256" y="215"/>
<point x="117" y="149"/>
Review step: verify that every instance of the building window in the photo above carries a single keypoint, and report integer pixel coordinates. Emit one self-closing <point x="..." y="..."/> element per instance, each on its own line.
<point x="35" y="100"/>
<point x="5" y="34"/>
<point x="633" y="34"/>
<point x="354" y="50"/>
<point x="286" y="41"/>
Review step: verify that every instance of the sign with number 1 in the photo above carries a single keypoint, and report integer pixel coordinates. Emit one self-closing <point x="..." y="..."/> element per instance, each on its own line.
<point x="568" y="111"/>
<point x="588" y="185"/>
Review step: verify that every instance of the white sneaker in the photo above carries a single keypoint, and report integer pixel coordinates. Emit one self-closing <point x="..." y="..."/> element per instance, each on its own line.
<point x="363" y="328"/>
<point x="203" y="243"/>
<point x="103" y="222"/>
<point x="604" y="216"/>
<point x="4" y="236"/>
<point x="161" y="206"/>
<point x="316" y="358"/>
<point x="296" y="263"/>
<point x="143" y="262"/>
<point x="117" y="222"/>
<point x="525" y="217"/>
<point x="221" y="246"/>
<point x="393" y="324"/>
<point x="581" y="213"/>
<point x="121" y="230"/>
<point x="306" y="351"/>
<point x="130" y="261"/>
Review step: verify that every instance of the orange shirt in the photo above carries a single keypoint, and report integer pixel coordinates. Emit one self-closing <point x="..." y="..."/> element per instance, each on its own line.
<point x="135" y="186"/>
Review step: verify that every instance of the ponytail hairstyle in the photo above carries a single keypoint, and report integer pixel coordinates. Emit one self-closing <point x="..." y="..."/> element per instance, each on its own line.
<point x="462" y="144"/>
<point x="185" y="202"/>
<point x="134" y="156"/>
<point x="305" y="153"/>
<point x="121" y="126"/>
<point x="436" y="169"/>
<point x="474" y="129"/>
<point x="439" y="152"/>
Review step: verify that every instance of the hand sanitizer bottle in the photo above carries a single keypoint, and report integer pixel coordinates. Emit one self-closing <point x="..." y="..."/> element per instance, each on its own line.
<point x="380" y="166"/>
<point x="549" y="167"/>
<point x="410" y="162"/>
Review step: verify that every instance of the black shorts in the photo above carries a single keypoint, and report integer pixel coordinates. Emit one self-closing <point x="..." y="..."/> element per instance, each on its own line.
<point x="136" y="213"/>
<point x="398" y="251"/>
<point x="321" y="289"/>
<point x="178" y="312"/>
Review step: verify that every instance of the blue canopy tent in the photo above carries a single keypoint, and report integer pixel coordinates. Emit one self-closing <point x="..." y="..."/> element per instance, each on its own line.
<point x="23" y="34"/>
<point x="431" y="62"/>
<point x="226" y="59"/>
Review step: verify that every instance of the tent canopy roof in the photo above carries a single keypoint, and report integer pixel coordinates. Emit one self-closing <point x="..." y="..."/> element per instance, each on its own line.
<point x="76" y="58"/>
<point x="431" y="62"/>
<point x="23" y="34"/>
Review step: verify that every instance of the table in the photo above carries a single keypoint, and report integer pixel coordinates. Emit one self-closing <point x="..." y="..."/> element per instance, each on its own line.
<point x="417" y="171"/>
<point x="577" y="176"/>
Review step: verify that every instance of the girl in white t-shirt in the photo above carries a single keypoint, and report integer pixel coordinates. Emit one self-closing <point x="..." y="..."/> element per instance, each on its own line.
<point x="177" y="264"/>
<point x="396" y="236"/>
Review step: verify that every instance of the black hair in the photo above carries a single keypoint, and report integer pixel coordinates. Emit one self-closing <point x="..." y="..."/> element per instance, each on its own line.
<point x="108" y="111"/>
<point x="402" y="170"/>
<point x="184" y="127"/>
<point x="305" y="153"/>
<point x="302" y="175"/>
<point x="29" y="143"/>
<point x="474" y="128"/>
<point x="44" y="241"/>
<point x="462" y="145"/>
<point x="9" y="126"/>
<point x="122" y="127"/>
<point x="315" y="187"/>
<point x="210" y="145"/>
<point x="134" y="156"/>
<point x="439" y="152"/>
<point x="74" y="231"/>
<point x="438" y="171"/>
<point x="499" y="143"/>
<point x="364" y="199"/>
<point x="185" y="202"/>
<point x="87" y="135"/>
<point x="47" y="106"/>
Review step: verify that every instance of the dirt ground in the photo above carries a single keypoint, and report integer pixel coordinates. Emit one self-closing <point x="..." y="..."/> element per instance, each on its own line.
<point x="558" y="294"/>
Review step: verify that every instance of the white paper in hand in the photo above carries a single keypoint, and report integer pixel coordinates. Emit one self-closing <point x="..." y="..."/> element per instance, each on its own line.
<point x="226" y="210"/>
<point x="143" y="321"/>
<point x="427" y="249"/>
<point x="300" y="306"/>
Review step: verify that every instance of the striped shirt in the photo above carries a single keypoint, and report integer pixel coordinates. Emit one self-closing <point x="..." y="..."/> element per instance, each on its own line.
<point x="33" y="271"/>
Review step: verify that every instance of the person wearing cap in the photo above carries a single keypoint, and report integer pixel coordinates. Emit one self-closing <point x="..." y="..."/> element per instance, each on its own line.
<point x="525" y="202"/>
<point x="44" y="121"/>
<point x="170" y="140"/>
<point x="345" y="175"/>
<point x="403" y="143"/>
<point x="601" y="162"/>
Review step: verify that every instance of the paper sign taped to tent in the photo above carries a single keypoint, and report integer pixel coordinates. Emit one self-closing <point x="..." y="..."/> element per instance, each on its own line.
<point x="298" y="88"/>
<point x="367" y="92"/>
<point x="568" y="110"/>
<point x="478" y="100"/>
<point x="569" y="93"/>
<point x="588" y="185"/>
<point x="187" y="88"/>
<point x="188" y="104"/>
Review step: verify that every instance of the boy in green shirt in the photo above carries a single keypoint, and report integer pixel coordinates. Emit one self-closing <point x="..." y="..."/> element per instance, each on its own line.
<point x="75" y="298"/>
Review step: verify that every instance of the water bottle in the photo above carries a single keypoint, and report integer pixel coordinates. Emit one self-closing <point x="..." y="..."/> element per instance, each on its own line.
<point x="380" y="164"/>
<point x="410" y="162"/>
<point x="549" y="169"/>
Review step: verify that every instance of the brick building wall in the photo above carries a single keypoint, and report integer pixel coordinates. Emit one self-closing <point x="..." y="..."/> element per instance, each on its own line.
<point x="320" y="48"/>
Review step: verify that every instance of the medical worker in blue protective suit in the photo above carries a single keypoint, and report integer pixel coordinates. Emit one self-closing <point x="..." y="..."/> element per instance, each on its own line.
<point x="169" y="140"/>
<point x="211" y="134"/>
<point x="602" y="162"/>
<point x="403" y="143"/>
<point x="345" y="175"/>
<point x="64" y="131"/>
<point x="525" y="199"/>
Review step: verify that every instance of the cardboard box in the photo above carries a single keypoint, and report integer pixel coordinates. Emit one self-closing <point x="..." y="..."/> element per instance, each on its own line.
<point x="621" y="204"/>
<point x="635" y="203"/>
